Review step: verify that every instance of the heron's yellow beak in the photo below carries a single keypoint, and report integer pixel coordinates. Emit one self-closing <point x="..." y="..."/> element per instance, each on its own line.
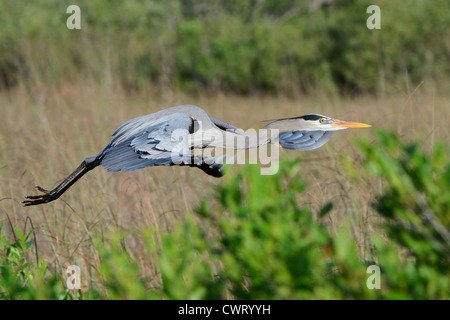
<point x="348" y="124"/>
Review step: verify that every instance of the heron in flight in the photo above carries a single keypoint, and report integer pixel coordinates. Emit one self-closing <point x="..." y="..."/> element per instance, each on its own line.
<point x="149" y="141"/>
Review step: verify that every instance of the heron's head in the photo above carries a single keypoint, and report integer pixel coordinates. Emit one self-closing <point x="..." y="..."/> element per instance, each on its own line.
<point x="319" y="122"/>
<point x="307" y="132"/>
<point x="313" y="122"/>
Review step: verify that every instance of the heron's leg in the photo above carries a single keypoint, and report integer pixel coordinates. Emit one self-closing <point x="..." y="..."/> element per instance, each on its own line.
<point x="54" y="194"/>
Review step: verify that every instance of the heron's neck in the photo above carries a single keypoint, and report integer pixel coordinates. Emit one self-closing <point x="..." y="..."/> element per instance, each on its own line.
<point x="231" y="140"/>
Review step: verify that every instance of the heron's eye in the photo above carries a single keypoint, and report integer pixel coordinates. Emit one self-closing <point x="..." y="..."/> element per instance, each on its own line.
<point x="321" y="120"/>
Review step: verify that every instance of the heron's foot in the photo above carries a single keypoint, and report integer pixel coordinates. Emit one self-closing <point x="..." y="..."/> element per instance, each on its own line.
<point x="46" y="197"/>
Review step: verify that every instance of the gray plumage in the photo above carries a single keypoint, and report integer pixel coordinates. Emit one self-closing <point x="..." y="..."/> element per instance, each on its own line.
<point x="304" y="140"/>
<point x="148" y="141"/>
<point x="171" y="137"/>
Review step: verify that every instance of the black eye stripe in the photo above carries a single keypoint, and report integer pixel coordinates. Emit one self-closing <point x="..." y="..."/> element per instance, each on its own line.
<point x="312" y="117"/>
<point x="308" y="117"/>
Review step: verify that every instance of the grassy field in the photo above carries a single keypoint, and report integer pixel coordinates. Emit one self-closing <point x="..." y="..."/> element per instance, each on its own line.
<point x="47" y="131"/>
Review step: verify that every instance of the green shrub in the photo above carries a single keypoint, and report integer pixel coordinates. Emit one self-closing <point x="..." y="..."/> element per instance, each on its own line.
<point x="23" y="278"/>
<point x="416" y="206"/>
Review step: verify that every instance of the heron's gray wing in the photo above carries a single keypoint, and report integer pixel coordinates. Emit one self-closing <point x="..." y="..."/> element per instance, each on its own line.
<point x="304" y="140"/>
<point x="163" y="143"/>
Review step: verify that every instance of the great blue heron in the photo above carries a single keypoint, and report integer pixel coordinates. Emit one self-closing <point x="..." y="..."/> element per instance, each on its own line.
<point x="149" y="141"/>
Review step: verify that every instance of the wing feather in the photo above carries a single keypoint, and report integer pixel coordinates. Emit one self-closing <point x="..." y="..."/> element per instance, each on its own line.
<point x="160" y="144"/>
<point x="304" y="140"/>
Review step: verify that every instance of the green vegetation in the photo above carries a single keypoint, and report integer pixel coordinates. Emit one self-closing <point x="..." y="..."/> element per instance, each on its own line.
<point x="257" y="243"/>
<point x="20" y="276"/>
<point x="232" y="46"/>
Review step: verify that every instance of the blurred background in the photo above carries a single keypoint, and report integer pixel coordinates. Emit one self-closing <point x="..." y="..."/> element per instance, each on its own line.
<point x="286" y="47"/>
<point x="63" y="92"/>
